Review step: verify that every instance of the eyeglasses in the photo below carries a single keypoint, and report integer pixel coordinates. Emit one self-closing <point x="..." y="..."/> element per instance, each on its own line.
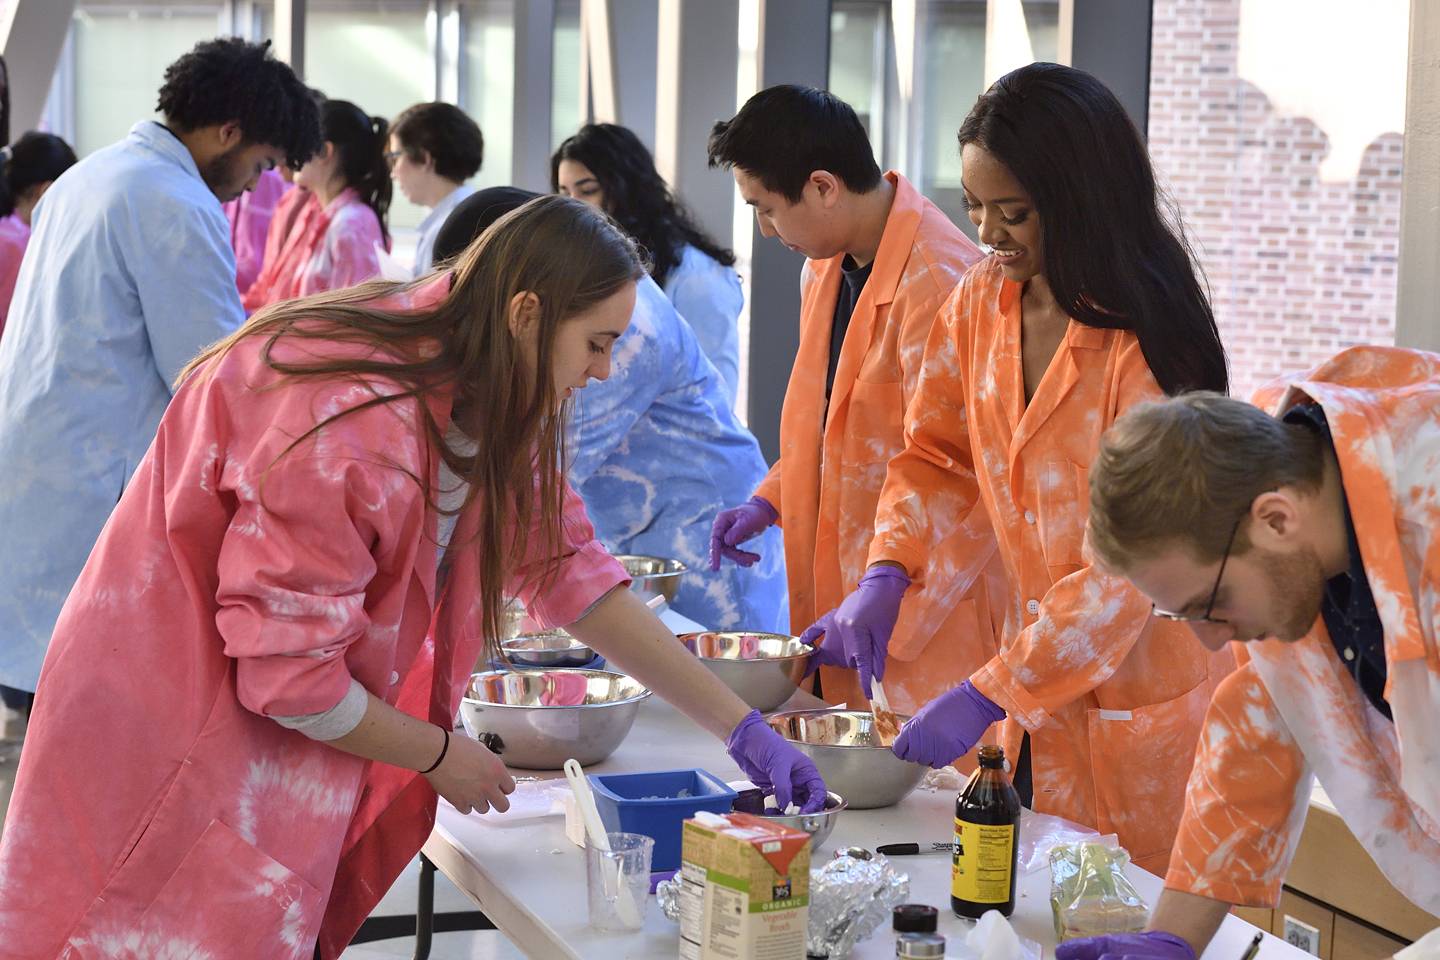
<point x="392" y="157"/>
<point x="1209" y="607"/>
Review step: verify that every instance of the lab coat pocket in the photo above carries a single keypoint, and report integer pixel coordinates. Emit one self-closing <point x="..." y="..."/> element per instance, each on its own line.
<point x="1142" y="759"/>
<point x="874" y="422"/>
<point x="1064" y="503"/>
<point x="227" y="899"/>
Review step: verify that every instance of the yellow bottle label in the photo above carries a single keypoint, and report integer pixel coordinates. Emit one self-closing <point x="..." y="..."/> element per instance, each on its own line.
<point x="981" y="862"/>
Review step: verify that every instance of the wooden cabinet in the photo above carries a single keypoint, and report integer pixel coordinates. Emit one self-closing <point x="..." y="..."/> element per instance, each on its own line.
<point x="1355" y="941"/>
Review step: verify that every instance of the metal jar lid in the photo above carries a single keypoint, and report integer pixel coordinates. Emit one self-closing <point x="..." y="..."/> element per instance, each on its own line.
<point x="919" y="946"/>
<point x="914" y="918"/>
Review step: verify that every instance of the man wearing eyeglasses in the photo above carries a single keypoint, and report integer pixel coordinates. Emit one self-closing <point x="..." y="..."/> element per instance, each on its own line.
<point x="1312" y="533"/>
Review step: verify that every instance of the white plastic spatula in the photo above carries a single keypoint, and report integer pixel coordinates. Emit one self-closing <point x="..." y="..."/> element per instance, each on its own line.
<point x="596" y="837"/>
<point x="887" y="725"/>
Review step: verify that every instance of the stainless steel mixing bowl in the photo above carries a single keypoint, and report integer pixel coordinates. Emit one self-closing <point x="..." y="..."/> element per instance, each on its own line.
<point x="652" y="575"/>
<point x="762" y="668"/>
<point x="553" y="648"/>
<point x="841" y="745"/>
<point x="536" y="719"/>
<point x="818" y="825"/>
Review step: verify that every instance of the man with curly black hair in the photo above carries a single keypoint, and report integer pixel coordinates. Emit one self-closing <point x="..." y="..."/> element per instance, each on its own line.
<point x="129" y="272"/>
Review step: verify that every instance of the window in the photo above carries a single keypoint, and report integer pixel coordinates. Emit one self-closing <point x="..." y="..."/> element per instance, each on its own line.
<point x="1286" y="168"/>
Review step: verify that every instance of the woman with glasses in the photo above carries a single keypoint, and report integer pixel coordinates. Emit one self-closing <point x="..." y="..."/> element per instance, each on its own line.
<point x="335" y="237"/>
<point x="434" y="149"/>
<point x="1088" y="304"/>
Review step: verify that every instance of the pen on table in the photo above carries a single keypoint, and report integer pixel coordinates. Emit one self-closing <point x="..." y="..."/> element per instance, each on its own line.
<point x="911" y="849"/>
<point x="1253" y="949"/>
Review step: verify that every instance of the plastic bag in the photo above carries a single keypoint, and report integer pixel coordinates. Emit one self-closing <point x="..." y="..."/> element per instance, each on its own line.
<point x="1040" y="833"/>
<point x="1089" y="892"/>
<point x="992" y="938"/>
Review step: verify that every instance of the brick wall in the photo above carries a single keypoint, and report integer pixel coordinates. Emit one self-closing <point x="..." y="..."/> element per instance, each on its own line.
<point x="1298" y="268"/>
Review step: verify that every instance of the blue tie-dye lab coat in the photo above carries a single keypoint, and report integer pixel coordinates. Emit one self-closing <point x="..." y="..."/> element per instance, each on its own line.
<point x="656" y="452"/>
<point x="128" y="275"/>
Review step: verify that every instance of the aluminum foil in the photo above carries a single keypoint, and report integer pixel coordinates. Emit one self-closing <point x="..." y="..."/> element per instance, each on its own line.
<point x="851" y="896"/>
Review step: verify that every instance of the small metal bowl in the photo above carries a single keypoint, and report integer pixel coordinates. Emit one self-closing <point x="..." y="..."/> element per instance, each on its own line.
<point x="818" y="825"/>
<point x="554" y="648"/>
<point x="536" y="719"/>
<point x="762" y="668"/>
<point x="653" y="575"/>
<point x="841" y="745"/>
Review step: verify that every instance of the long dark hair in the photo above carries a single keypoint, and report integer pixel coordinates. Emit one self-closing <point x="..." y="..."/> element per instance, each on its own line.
<point x="636" y="195"/>
<point x="1113" y="258"/>
<point x="571" y="257"/>
<point x="34" y="159"/>
<point x="360" y="140"/>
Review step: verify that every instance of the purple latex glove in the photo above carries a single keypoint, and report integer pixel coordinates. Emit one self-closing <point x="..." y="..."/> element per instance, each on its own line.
<point x="734" y="526"/>
<point x="774" y="765"/>
<point x="1151" y="945"/>
<point x="863" y="621"/>
<point x="831" y="653"/>
<point x="947" y="727"/>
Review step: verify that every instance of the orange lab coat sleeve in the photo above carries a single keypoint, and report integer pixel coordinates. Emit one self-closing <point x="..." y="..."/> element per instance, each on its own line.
<point x="953" y="563"/>
<point x="930" y="486"/>
<point x="1088" y="622"/>
<point x="1246" y="800"/>
<point x="770" y="489"/>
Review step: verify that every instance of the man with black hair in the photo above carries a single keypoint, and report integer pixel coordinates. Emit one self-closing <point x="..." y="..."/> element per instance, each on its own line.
<point x="882" y="260"/>
<point x="128" y="274"/>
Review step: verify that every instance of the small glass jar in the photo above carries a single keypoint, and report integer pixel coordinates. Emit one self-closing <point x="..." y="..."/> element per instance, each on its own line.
<point x="919" y="946"/>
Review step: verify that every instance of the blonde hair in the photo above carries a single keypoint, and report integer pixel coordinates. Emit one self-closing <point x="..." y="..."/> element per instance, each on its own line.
<point x="1184" y="470"/>
<point x="571" y="257"/>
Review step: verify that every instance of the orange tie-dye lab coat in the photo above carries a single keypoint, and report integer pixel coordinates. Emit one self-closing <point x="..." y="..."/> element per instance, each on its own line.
<point x="158" y="810"/>
<point x="1293" y="710"/>
<point x="1112" y="698"/>
<point x="831" y="468"/>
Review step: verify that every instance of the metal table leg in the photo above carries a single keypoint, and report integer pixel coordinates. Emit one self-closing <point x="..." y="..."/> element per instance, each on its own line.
<point x="425" y="909"/>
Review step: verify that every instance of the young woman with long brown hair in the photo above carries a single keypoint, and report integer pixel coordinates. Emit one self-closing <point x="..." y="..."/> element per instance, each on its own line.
<point x="280" y="616"/>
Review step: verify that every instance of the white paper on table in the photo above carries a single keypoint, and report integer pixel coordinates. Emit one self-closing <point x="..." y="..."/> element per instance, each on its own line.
<point x="532" y="800"/>
<point x="678" y="622"/>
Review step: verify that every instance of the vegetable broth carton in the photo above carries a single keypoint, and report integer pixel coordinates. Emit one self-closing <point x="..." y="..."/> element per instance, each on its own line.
<point x="745" y="889"/>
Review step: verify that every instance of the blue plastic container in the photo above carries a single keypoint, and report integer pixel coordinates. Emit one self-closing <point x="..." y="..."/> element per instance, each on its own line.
<point x="651" y="803"/>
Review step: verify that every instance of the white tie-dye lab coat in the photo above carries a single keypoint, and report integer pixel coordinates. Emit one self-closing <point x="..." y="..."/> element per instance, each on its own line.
<point x="158" y="811"/>
<point x="656" y="452"/>
<point x="1292" y="711"/>
<point x="129" y="273"/>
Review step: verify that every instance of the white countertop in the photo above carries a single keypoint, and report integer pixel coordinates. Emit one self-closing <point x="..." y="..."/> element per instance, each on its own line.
<point x="529" y="879"/>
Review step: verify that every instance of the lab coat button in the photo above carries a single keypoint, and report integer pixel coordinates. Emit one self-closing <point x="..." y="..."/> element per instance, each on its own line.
<point x="1029" y="517"/>
<point x="1033" y="606"/>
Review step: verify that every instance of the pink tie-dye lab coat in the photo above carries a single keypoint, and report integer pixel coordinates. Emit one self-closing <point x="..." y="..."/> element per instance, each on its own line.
<point x="158" y="811"/>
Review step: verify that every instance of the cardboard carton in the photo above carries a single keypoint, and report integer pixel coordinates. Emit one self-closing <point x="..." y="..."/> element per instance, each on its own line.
<point x="745" y="889"/>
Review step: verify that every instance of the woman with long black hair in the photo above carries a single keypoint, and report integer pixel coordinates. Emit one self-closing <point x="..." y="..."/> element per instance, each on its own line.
<point x="608" y="167"/>
<point x="1088" y="304"/>
<point x="335" y="238"/>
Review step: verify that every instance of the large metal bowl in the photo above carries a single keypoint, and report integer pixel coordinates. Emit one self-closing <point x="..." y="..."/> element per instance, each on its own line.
<point x="553" y="648"/>
<point x="762" y="668"/>
<point x="841" y="744"/>
<point x="537" y="719"/>
<point x="818" y="825"/>
<point x="652" y="575"/>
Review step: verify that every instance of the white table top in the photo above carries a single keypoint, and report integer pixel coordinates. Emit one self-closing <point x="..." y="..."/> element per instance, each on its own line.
<point x="529" y="879"/>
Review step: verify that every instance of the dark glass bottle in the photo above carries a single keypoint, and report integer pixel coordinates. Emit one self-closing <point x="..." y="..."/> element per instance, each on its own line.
<point x="987" y="840"/>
